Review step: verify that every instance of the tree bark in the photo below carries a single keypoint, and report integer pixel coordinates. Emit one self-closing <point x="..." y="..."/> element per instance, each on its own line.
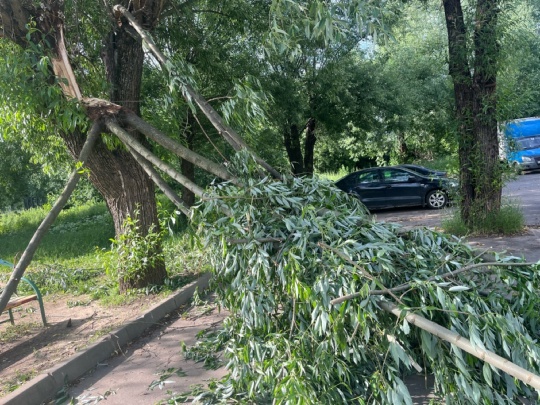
<point x="480" y="176"/>
<point x="309" y="146"/>
<point x="489" y="182"/>
<point x="291" y="138"/>
<point x="127" y="189"/>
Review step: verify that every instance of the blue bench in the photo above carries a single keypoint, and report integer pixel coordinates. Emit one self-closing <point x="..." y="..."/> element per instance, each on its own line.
<point x="18" y="301"/>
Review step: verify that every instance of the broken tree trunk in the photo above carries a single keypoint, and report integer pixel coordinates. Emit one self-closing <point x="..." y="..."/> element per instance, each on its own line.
<point x="224" y="130"/>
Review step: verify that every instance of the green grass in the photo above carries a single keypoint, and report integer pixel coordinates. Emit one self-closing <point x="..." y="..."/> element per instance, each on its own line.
<point x="334" y="176"/>
<point x="70" y="258"/>
<point x="18" y="380"/>
<point x="74" y="235"/>
<point x="508" y="221"/>
<point x="14" y="332"/>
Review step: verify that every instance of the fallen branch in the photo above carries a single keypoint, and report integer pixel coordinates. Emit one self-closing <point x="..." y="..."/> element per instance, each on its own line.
<point x="363" y="271"/>
<point x="407" y="286"/>
<point x="125" y="137"/>
<point x="259" y="240"/>
<point x="457" y="340"/>
<point x="178" y="149"/>
<point x="162" y="184"/>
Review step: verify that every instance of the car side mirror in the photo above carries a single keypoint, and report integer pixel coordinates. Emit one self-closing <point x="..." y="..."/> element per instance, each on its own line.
<point x="412" y="179"/>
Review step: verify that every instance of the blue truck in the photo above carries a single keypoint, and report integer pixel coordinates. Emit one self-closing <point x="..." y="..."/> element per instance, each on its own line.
<point x="521" y="140"/>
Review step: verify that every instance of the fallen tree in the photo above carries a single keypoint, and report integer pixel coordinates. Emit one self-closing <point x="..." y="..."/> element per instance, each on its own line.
<point x="293" y="249"/>
<point x="287" y="250"/>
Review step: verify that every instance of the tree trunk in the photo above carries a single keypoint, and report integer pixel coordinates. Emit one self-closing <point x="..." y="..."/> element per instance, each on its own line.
<point x="125" y="186"/>
<point x="309" y="146"/>
<point x="480" y="176"/>
<point x="291" y="138"/>
<point x="489" y="181"/>
<point x="188" y="168"/>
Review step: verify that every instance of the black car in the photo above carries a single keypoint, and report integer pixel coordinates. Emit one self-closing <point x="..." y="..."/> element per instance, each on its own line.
<point x="424" y="171"/>
<point x="386" y="187"/>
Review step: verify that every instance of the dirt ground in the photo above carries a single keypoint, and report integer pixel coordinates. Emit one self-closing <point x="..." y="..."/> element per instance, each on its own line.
<point x="28" y="348"/>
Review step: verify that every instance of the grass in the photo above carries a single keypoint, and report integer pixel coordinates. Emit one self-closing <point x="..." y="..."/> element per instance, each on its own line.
<point x="70" y="258"/>
<point x="447" y="163"/>
<point x="14" y="332"/>
<point x="18" y="380"/>
<point x="335" y="176"/>
<point x="75" y="234"/>
<point x="508" y="221"/>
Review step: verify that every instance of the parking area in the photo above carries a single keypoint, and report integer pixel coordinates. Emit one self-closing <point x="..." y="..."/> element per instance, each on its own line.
<point x="524" y="191"/>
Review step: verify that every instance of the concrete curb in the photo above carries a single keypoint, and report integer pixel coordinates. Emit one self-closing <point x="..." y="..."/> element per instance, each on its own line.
<point x="45" y="386"/>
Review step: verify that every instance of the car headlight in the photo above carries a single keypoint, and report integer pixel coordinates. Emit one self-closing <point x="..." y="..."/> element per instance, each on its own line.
<point x="526" y="159"/>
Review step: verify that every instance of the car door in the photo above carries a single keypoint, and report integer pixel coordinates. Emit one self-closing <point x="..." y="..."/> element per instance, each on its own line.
<point x="402" y="187"/>
<point x="369" y="189"/>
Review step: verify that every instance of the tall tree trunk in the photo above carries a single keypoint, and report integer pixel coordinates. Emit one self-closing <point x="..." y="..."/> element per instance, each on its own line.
<point x="489" y="181"/>
<point x="291" y="137"/>
<point x="309" y="146"/>
<point x="475" y="108"/>
<point x="127" y="189"/>
<point x="461" y="77"/>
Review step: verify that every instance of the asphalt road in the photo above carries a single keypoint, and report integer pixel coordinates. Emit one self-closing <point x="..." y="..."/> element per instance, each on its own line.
<point x="523" y="191"/>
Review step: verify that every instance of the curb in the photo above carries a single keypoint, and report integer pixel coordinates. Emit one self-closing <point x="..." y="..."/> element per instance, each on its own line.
<point x="45" y="385"/>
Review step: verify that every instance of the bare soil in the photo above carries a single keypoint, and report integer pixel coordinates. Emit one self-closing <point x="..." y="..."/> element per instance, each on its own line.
<point x="28" y="348"/>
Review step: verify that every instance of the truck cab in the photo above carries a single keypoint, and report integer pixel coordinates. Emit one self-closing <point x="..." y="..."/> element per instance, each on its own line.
<point x="522" y="143"/>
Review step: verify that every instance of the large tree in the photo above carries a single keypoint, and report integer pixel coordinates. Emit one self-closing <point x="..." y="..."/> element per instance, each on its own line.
<point x="124" y="185"/>
<point x="473" y="66"/>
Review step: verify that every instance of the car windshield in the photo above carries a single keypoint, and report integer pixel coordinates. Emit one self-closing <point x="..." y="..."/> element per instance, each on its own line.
<point x="532" y="142"/>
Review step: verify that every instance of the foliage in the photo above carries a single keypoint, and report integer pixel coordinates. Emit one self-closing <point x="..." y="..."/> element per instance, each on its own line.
<point x="132" y="251"/>
<point x="517" y="92"/>
<point x="34" y="111"/>
<point x="164" y="376"/>
<point x="289" y="344"/>
<point x="508" y="221"/>
<point x="70" y="260"/>
<point x="206" y="350"/>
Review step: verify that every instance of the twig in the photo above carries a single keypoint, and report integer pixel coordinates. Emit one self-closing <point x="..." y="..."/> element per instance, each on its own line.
<point x="453" y="273"/>
<point x="362" y="271"/>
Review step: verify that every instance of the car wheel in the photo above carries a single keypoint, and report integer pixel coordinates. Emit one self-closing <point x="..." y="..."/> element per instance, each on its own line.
<point x="437" y="199"/>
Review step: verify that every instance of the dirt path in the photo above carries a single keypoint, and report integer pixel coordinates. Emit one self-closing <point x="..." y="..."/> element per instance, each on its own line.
<point x="27" y="348"/>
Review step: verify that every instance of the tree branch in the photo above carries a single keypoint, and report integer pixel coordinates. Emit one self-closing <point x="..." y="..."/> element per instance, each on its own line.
<point x="457" y="340"/>
<point x="407" y="286"/>
<point x="224" y="130"/>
